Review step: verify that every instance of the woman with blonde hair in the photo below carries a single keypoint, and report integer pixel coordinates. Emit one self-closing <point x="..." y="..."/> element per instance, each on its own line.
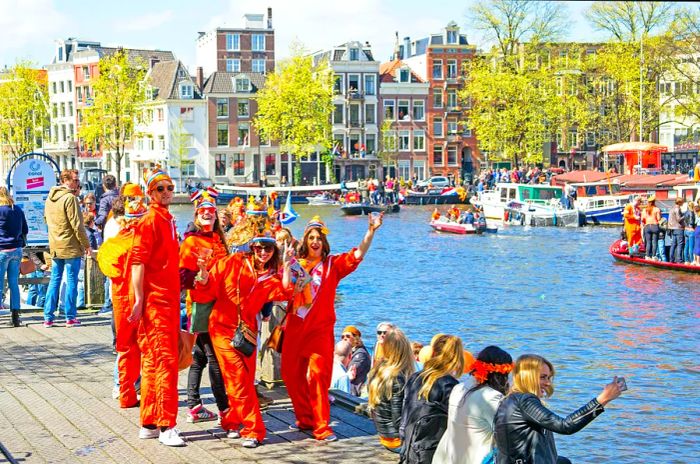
<point x="524" y="426"/>
<point x="386" y="385"/>
<point x="424" y="415"/>
<point x="13" y="231"/>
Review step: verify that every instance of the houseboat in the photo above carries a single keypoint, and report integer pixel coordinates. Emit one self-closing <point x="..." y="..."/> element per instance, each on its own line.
<point x="601" y="202"/>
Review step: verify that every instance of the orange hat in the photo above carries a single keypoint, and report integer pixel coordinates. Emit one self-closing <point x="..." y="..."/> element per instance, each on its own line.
<point x="353" y="330"/>
<point x="132" y="190"/>
<point x="154" y="175"/>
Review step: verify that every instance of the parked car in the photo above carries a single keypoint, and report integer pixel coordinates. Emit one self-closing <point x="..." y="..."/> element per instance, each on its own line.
<point x="435" y="181"/>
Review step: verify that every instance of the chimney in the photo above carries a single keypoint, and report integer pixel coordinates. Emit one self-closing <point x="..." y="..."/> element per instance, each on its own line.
<point x="406" y="47"/>
<point x="269" y="18"/>
<point x="199" y="78"/>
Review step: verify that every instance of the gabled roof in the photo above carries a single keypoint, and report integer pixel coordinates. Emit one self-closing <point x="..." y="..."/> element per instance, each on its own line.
<point x="388" y="72"/>
<point x="222" y="82"/>
<point x="166" y="76"/>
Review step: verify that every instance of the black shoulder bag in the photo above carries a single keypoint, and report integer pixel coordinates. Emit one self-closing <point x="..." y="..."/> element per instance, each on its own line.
<point x="245" y="339"/>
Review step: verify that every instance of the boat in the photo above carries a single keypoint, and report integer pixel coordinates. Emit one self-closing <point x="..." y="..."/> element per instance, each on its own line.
<point x="442" y="225"/>
<point x="618" y="250"/>
<point x="601" y="202"/>
<point x="300" y="193"/>
<point x="321" y="200"/>
<point x="440" y="196"/>
<point x="525" y="204"/>
<point x="357" y="209"/>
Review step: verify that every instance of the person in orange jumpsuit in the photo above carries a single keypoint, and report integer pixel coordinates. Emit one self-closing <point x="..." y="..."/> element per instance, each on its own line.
<point x="307" y="351"/>
<point x="156" y="285"/>
<point x="204" y="241"/>
<point x="633" y="225"/>
<point x="115" y="262"/>
<point x="242" y="282"/>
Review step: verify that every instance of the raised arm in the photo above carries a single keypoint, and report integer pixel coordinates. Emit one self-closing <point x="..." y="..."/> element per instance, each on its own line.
<point x="375" y="222"/>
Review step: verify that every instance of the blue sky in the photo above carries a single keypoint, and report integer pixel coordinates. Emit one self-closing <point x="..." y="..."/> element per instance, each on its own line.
<point x="28" y="28"/>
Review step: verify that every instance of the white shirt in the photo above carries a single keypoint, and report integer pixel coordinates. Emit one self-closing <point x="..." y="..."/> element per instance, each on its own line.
<point x="111" y="229"/>
<point x="469" y="435"/>
<point x="340" y="380"/>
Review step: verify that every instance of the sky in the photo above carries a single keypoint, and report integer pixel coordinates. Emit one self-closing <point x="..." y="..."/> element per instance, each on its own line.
<point x="29" y="28"/>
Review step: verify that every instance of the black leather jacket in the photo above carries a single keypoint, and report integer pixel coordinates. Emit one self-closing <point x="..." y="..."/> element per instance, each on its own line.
<point x="524" y="428"/>
<point x="387" y="414"/>
<point x="423" y="423"/>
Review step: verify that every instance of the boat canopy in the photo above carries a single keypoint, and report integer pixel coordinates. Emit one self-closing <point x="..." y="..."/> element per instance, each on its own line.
<point x="642" y="157"/>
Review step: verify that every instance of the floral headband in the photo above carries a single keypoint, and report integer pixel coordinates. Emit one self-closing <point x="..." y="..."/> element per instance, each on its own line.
<point x="480" y="370"/>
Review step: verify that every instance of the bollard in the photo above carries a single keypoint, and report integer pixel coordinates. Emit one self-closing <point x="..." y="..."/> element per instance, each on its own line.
<point x="269" y="360"/>
<point x="94" y="283"/>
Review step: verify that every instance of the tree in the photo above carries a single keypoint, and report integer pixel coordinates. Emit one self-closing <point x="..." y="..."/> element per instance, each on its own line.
<point x="512" y="22"/>
<point x="118" y="92"/>
<point x="295" y="105"/>
<point x="180" y="144"/>
<point x="388" y="147"/>
<point x="23" y="109"/>
<point x="630" y="20"/>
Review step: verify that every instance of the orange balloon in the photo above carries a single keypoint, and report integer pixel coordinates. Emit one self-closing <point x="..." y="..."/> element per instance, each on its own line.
<point x="468" y="361"/>
<point x="425" y="354"/>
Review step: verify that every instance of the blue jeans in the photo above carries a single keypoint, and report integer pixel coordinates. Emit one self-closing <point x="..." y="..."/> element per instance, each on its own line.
<point x="689" y="245"/>
<point x="72" y="268"/>
<point x="675" y="254"/>
<point x="9" y="265"/>
<point x="661" y="250"/>
<point x="36" y="295"/>
<point x="107" y="306"/>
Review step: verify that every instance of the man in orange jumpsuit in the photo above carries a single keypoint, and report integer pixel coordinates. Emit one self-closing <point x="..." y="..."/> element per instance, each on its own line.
<point x="633" y="217"/>
<point x="307" y="351"/>
<point x="156" y="284"/>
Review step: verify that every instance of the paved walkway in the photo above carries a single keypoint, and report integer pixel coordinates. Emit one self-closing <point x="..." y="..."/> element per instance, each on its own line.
<point x="56" y="406"/>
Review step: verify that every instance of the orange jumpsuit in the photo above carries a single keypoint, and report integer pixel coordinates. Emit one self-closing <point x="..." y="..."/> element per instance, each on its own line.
<point x="228" y="274"/>
<point x="156" y="247"/>
<point x="188" y="257"/>
<point x="633" y="228"/>
<point x="307" y="351"/>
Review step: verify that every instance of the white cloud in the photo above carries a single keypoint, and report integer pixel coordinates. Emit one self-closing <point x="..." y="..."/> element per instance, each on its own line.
<point x="29" y="25"/>
<point x="145" y="22"/>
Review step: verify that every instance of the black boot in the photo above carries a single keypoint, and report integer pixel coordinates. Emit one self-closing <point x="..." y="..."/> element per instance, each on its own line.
<point x="16" y="321"/>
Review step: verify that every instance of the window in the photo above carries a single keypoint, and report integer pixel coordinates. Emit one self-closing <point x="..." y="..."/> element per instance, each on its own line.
<point x="187" y="168"/>
<point x="404" y="113"/>
<point x="79" y="91"/>
<point x="161" y="142"/>
<point x="54" y="110"/>
<point x="437" y="98"/>
<point x="437" y="127"/>
<point x="238" y="164"/>
<point x="355" y="114"/>
<point x="452" y="127"/>
<point x="259" y="66"/>
<point x="150" y="143"/>
<point x="370" y="143"/>
<point x="233" y="41"/>
<point x="418" y="110"/>
<point x="404" y="140"/>
<point x="338" y="84"/>
<point x="389" y="109"/>
<point x="71" y="132"/>
<point x="258" y="43"/>
<point x="243" y="108"/>
<point x="243" y="135"/>
<point x="186" y="114"/>
<point x="437" y="156"/>
<point x="70" y="86"/>
<point x="62" y="85"/>
<point x="86" y="73"/>
<point x="353" y="83"/>
<point x="404" y="75"/>
<point x="186" y="91"/>
<point x="452" y="156"/>
<point x="63" y="109"/>
<point x="437" y="69"/>
<point x="220" y="164"/>
<point x="452" y="69"/>
<point x="590" y="138"/>
<point x="338" y="114"/>
<point x="270" y="164"/>
<point x="149" y="116"/>
<point x="419" y="140"/>
<point x="222" y="136"/>
<point x="233" y="65"/>
<point x="242" y="84"/>
<point x="160" y="114"/>
<point x="354" y="54"/>
<point x="466" y="131"/>
<point x="369" y="114"/>
<point x="53" y="87"/>
<point x="451" y="99"/>
<point x="404" y="169"/>
<point x="451" y="37"/>
<point x="54" y="133"/>
<point x="63" y="132"/>
<point x="370" y="87"/>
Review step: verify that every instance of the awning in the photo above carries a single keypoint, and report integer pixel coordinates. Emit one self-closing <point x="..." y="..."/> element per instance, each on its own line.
<point x="633" y="146"/>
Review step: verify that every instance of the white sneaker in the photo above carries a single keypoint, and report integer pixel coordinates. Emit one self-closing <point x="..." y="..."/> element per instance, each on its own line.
<point x="145" y="434"/>
<point x="233" y="434"/>
<point x="171" y="437"/>
<point x="115" y="393"/>
<point x="250" y="443"/>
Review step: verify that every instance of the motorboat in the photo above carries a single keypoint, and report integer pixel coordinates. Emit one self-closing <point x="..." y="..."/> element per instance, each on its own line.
<point x="526" y="204"/>
<point x="357" y="209"/>
<point x="322" y="200"/>
<point x="451" y="227"/>
<point x="620" y="252"/>
<point x="601" y="202"/>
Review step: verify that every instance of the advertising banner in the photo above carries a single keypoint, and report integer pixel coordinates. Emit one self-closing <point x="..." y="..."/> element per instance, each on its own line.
<point x="31" y="181"/>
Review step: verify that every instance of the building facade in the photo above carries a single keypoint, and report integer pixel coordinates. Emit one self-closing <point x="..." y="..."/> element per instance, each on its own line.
<point x="403" y="101"/>
<point x="440" y="60"/>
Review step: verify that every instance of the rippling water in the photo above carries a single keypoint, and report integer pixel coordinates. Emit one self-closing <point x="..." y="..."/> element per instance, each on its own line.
<point x="550" y="291"/>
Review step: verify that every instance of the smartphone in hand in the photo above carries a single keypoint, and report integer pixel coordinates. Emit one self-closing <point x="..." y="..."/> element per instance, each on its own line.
<point x="622" y="384"/>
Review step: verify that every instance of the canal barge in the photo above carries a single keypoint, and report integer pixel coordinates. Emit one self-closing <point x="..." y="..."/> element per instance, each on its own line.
<point x="620" y="253"/>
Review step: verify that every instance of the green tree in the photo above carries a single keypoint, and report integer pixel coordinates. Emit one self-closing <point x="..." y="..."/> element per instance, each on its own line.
<point x="630" y="20"/>
<point x="180" y="145"/>
<point x="389" y="144"/>
<point x="23" y="109"/>
<point x="295" y="105"/>
<point x="119" y="91"/>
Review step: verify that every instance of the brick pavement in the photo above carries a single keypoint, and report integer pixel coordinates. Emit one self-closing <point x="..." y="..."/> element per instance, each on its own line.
<point x="56" y="406"/>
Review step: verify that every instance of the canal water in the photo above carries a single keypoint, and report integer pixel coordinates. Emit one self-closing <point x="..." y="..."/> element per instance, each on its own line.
<point x="550" y="291"/>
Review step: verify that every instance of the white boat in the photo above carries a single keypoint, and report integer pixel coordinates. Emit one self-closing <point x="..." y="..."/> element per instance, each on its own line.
<point x="601" y="202"/>
<point x="525" y="204"/>
<point x="322" y="200"/>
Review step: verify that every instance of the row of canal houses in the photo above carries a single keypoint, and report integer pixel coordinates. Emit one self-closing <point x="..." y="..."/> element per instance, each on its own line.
<point x="212" y="111"/>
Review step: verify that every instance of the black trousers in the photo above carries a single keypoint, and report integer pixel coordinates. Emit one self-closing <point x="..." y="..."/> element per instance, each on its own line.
<point x="651" y="239"/>
<point x="203" y="355"/>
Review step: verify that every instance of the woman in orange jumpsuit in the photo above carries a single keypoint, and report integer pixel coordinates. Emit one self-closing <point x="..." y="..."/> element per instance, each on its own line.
<point x="242" y="282"/>
<point x="307" y="351"/>
<point x="156" y="285"/>
<point x="633" y="227"/>
<point x="115" y="262"/>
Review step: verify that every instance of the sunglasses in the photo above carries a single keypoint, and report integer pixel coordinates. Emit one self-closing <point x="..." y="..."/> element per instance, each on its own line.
<point x="162" y="188"/>
<point x="265" y="248"/>
<point x="381" y="332"/>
